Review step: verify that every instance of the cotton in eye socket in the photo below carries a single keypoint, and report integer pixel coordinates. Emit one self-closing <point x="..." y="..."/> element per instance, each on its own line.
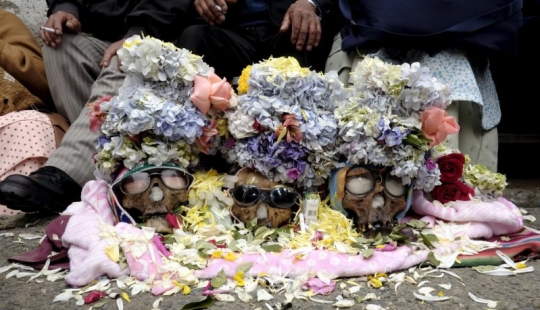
<point x="359" y="185"/>
<point x="394" y="186"/>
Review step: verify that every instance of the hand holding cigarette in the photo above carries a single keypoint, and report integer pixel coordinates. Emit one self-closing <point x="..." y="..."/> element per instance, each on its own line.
<point x="51" y="30"/>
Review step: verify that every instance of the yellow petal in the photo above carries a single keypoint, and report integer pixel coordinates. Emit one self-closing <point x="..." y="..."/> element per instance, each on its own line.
<point x="113" y="252"/>
<point x="126" y="296"/>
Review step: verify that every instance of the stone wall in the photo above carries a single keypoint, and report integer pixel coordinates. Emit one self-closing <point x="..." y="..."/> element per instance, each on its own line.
<point x="32" y="12"/>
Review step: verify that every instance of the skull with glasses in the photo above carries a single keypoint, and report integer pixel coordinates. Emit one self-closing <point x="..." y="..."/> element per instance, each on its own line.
<point x="255" y="196"/>
<point x="148" y="193"/>
<point x="370" y="195"/>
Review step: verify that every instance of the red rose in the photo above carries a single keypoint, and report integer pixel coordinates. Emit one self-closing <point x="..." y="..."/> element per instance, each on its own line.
<point x="451" y="167"/>
<point x="456" y="190"/>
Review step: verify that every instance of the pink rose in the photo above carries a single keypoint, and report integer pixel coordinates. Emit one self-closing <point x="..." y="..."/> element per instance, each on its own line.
<point x="211" y="91"/>
<point x="436" y="125"/>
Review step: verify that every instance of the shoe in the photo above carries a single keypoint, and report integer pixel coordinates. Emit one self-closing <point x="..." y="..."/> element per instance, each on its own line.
<point x="46" y="190"/>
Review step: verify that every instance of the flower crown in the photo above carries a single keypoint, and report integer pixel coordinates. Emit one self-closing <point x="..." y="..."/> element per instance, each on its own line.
<point x="284" y="125"/>
<point x="169" y="108"/>
<point x="394" y="117"/>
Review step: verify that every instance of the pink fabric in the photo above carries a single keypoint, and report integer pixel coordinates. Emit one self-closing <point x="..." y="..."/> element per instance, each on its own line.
<point x="27" y="141"/>
<point x="487" y="219"/>
<point x="331" y="264"/>
<point x="144" y="266"/>
<point x="89" y="261"/>
<point x="87" y="256"/>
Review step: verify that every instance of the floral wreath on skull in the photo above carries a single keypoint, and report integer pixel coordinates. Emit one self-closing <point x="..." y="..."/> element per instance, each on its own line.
<point x="169" y="109"/>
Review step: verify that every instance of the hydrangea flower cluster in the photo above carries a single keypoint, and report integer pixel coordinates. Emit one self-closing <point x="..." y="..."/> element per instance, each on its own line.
<point x="284" y="124"/>
<point x="166" y="110"/>
<point x="396" y="114"/>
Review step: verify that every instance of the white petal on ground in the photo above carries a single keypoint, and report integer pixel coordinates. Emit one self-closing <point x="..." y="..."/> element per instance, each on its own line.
<point x="120" y="304"/>
<point x="64" y="296"/>
<point x="422" y="283"/>
<point x="224" y="297"/>
<point x="426" y="290"/>
<point x="431" y="298"/>
<point x="155" y="305"/>
<point x="490" y="303"/>
<point x="374" y="307"/>
<point x="30" y="236"/>
<point x="445" y="286"/>
<point x="245" y="297"/>
<point x="262" y="294"/>
<point x="345" y="303"/>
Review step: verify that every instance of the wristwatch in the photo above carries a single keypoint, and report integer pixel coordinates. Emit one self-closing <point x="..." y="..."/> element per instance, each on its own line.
<point x="317" y="8"/>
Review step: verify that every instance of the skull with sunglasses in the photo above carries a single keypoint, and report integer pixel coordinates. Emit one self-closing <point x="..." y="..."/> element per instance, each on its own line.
<point x="255" y="196"/>
<point x="369" y="194"/>
<point x="148" y="193"/>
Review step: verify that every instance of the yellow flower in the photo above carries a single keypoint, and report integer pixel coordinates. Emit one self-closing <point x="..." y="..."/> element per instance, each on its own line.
<point x="217" y="254"/>
<point x="521" y="265"/>
<point x="373" y="281"/>
<point x="186" y="290"/>
<point x="113" y="252"/>
<point x="231" y="256"/>
<point x="243" y="84"/>
<point x="440" y="294"/>
<point x="239" y="278"/>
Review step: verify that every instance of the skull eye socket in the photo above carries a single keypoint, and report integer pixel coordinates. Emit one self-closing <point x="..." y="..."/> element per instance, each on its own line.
<point x="175" y="179"/>
<point x="394" y="186"/>
<point x="135" y="183"/>
<point x="139" y="182"/>
<point x="359" y="181"/>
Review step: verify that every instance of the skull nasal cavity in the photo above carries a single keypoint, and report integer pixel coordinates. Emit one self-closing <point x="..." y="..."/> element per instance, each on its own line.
<point x="156" y="194"/>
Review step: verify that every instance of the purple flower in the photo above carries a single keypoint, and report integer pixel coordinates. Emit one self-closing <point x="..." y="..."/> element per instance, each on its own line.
<point x="293" y="173"/>
<point x="430" y="164"/>
<point x="229" y="143"/>
<point x="393" y="137"/>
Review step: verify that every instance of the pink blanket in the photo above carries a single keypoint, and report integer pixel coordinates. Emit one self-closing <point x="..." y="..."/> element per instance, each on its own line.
<point x="92" y="232"/>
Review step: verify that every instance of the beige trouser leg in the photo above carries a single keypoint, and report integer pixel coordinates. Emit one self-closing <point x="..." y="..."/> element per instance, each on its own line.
<point x="481" y="145"/>
<point x="75" y="78"/>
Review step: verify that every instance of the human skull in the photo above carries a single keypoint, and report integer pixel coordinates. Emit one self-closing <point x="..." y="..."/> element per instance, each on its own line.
<point x="265" y="213"/>
<point x="151" y="206"/>
<point x="373" y="197"/>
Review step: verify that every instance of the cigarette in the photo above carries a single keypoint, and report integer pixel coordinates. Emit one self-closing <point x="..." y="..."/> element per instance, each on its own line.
<point x="51" y="30"/>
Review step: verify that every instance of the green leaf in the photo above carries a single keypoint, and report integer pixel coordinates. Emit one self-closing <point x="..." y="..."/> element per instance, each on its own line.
<point x="203" y="304"/>
<point x="483" y="268"/>
<point x="431" y="258"/>
<point x="416" y="224"/>
<point x="251" y="224"/>
<point x="219" y="280"/>
<point x="428" y="239"/>
<point x="244" y="267"/>
<point x="99" y="304"/>
<point x="233" y="246"/>
<point x="272" y="248"/>
<point x="367" y="252"/>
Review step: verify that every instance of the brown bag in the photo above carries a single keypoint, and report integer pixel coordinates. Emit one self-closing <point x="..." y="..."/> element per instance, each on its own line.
<point x="14" y="96"/>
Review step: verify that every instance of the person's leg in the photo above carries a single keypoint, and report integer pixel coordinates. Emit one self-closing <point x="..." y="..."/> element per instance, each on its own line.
<point x="75" y="78"/>
<point x="227" y="51"/>
<point x="481" y="145"/>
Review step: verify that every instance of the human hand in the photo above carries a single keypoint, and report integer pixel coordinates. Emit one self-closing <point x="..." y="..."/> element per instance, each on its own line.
<point x="59" y="21"/>
<point x="110" y="52"/>
<point x="304" y="23"/>
<point x="213" y="11"/>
